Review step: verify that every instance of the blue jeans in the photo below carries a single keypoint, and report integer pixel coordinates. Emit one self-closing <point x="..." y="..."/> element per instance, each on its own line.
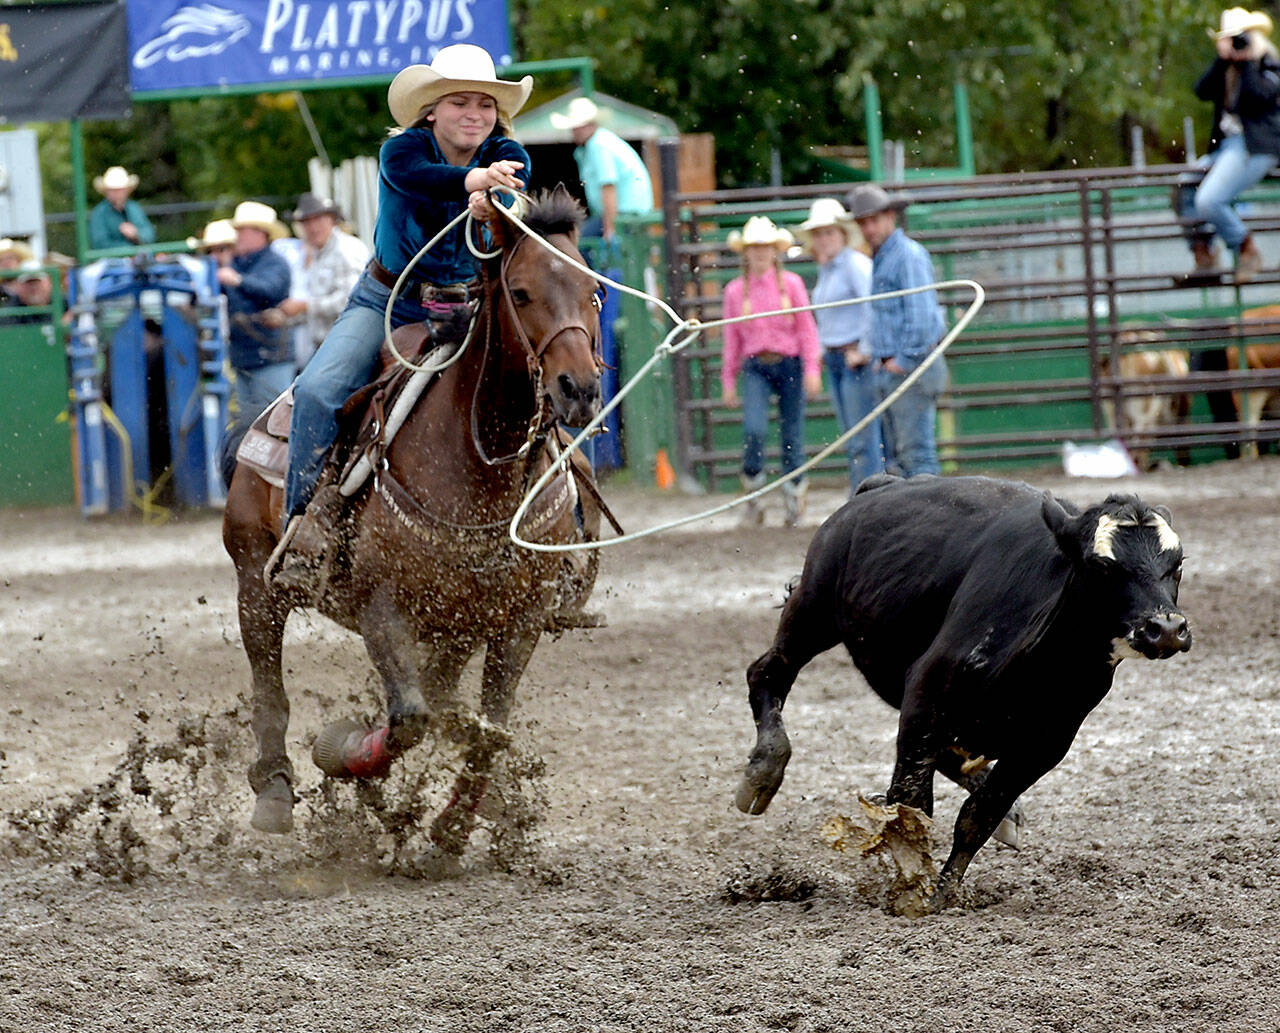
<point x="253" y="390"/>
<point x="909" y="422"/>
<point x="854" y="395"/>
<point x="344" y="363"/>
<point x="1232" y="170"/>
<point x="760" y="381"/>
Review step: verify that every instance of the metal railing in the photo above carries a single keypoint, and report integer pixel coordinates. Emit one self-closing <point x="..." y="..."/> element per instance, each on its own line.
<point x="1080" y="268"/>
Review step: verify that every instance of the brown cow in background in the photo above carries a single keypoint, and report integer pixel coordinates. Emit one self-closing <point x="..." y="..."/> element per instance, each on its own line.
<point x="1146" y="412"/>
<point x="1257" y="355"/>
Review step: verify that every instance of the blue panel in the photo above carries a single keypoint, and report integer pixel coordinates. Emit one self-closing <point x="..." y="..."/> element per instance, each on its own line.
<point x="182" y="389"/>
<point x="176" y="45"/>
<point x="127" y="368"/>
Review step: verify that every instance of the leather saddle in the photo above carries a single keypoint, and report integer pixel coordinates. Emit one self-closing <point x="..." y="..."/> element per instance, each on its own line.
<point x="265" y="447"/>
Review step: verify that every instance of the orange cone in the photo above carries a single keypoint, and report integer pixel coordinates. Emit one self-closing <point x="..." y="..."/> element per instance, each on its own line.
<point x="664" y="475"/>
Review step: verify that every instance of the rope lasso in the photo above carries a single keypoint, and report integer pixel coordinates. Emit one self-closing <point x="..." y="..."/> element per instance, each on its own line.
<point x="691" y="329"/>
<point x="667" y="348"/>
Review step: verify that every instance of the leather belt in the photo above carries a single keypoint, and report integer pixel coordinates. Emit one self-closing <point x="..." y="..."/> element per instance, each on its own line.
<point x="768" y="358"/>
<point x="454" y="293"/>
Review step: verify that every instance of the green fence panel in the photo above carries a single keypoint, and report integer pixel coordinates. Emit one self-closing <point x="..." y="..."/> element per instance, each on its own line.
<point x="35" y="437"/>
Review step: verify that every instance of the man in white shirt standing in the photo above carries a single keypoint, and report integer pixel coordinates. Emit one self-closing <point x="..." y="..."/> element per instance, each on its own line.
<point x="332" y="261"/>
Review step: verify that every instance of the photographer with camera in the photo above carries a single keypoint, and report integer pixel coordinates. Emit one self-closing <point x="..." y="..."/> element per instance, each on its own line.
<point x="1243" y="83"/>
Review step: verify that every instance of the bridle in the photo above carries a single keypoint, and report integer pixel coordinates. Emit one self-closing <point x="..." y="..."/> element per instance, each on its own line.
<point x="543" y="417"/>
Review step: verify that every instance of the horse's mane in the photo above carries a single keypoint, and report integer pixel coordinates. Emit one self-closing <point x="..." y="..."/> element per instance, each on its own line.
<point x="554" y="211"/>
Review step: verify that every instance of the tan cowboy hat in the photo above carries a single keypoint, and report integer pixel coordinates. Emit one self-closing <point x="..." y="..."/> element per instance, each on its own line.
<point x="760" y="229"/>
<point x="1236" y="21"/>
<point x="261" y="217"/>
<point x="580" y="112"/>
<point x="218" y="233"/>
<point x="115" y="178"/>
<point x="461" y="68"/>
<point x="827" y="211"/>
<point x="9" y="246"/>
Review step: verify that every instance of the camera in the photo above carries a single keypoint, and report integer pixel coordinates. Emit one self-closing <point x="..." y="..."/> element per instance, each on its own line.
<point x="1241" y="42"/>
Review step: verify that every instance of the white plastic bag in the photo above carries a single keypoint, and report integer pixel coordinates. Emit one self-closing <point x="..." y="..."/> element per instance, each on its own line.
<point x="1105" y="459"/>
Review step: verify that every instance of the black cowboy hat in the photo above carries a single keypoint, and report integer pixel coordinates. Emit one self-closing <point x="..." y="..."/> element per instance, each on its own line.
<point x="309" y="205"/>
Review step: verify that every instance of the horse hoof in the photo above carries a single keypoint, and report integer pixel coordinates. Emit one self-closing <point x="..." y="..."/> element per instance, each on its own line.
<point x="273" y="810"/>
<point x="347" y="749"/>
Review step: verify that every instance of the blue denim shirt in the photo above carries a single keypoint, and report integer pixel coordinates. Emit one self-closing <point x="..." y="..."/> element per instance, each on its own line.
<point x="847" y="275"/>
<point x="419" y="192"/>
<point x="264" y="284"/>
<point x="909" y="326"/>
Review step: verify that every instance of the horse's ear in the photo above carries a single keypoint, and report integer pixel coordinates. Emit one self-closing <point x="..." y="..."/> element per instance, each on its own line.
<point x="500" y="230"/>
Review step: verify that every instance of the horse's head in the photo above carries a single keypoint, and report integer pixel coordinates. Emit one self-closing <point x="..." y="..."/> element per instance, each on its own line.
<point x="552" y="308"/>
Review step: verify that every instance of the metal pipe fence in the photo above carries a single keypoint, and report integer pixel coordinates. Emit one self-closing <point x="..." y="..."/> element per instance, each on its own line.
<point x="1081" y="268"/>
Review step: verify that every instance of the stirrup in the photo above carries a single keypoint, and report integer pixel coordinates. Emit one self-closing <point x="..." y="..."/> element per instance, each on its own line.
<point x="273" y="561"/>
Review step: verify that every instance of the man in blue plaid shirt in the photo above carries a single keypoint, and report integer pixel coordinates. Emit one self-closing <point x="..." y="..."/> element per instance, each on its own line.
<point x="903" y="332"/>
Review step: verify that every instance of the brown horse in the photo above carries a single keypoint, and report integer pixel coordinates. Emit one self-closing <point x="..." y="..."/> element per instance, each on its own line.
<point x="427" y="574"/>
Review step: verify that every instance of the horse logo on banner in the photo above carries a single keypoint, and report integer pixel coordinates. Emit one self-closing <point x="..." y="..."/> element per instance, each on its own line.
<point x="195" y="31"/>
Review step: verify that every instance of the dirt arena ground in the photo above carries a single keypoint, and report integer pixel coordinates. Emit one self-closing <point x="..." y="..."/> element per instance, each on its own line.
<point x="613" y="886"/>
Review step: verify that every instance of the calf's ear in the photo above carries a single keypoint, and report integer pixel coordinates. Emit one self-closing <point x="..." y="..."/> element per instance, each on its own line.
<point x="1064" y="527"/>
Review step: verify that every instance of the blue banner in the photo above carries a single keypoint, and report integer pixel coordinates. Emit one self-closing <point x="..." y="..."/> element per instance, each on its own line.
<point x="181" y="45"/>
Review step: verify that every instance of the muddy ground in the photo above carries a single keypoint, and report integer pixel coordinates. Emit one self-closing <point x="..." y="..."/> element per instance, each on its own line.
<point x="612" y="885"/>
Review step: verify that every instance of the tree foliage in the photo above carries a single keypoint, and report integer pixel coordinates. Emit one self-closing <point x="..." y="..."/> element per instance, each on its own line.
<point x="1052" y="83"/>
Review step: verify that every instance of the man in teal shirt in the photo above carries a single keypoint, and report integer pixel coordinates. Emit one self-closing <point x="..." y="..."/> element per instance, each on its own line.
<point x="118" y="220"/>
<point x="613" y="174"/>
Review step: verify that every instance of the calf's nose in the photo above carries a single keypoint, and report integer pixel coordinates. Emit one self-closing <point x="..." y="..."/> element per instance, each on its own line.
<point x="1164" y="634"/>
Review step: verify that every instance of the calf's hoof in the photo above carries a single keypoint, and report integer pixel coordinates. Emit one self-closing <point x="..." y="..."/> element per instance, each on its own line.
<point x="273" y="809"/>
<point x="763" y="775"/>
<point x="1009" y="831"/>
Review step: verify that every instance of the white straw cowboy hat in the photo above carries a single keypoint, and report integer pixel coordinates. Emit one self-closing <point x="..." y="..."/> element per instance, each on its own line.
<point x="827" y="211"/>
<point x="1237" y="21"/>
<point x="115" y="178"/>
<point x="259" y="216"/>
<point x="580" y="112"/>
<point x="760" y="229"/>
<point x="218" y="233"/>
<point x="461" y="68"/>
<point x="17" y="248"/>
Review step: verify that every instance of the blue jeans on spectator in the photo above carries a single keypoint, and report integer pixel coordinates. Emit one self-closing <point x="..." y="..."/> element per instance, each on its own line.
<point x="253" y="390"/>
<point x="854" y="395"/>
<point x="343" y="364"/>
<point x="909" y="421"/>
<point x="1232" y="170"/>
<point x="760" y="381"/>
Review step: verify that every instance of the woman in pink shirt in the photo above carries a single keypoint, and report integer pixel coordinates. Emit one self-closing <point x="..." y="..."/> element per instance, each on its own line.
<point x="777" y="355"/>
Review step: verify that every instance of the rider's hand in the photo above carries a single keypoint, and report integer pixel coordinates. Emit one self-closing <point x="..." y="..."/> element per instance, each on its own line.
<point x="479" y="207"/>
<point x="499" y="174"/>
<point x="730" y="396"/>
<point x="813" y="385"/>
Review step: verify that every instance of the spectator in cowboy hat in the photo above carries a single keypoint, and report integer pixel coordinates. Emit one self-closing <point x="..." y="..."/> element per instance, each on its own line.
<point x="331" y="263"/>
<point x="255" y="282"/>
<point x="844" y="273"/>
<point x="1243" y="84"/>
<point x="613" y="174"/>
<point x="904" y="331"/>
<point x="450" y="146"/>
<point x="118" y="220"/>
<point x="12" y="254"/>
<point x="776" y="356"/>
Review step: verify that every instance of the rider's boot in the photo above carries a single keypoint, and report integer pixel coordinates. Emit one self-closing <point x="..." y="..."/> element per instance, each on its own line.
<point x="306" y="542"/>
<point x="569" y="612"/>
<point x="753" y="511"/>
<point x="793" y="497"/>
